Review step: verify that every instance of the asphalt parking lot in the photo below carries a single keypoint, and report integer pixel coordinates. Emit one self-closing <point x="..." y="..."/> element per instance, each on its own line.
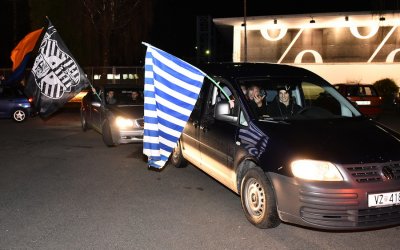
<point x="62" y="188"/>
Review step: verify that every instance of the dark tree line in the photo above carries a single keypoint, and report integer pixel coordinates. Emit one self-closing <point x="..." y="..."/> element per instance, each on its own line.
<point x="111" y="32"/>
<point x="97" y="32"/>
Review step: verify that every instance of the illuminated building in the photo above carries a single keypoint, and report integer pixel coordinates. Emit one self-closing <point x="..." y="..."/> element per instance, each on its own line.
<point x="341" y="47"/>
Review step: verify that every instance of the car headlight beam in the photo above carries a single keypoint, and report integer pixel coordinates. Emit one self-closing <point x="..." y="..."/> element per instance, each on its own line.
<point x="123" y="122"/>
<point x="315" y="170"/>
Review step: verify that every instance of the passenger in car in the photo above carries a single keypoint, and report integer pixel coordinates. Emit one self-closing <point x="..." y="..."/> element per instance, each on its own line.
<point x="2" y="79"/>
<point x="283" y="105"/>
<point x="136" y="97"/>
<point x="256" y="101"/>
<point x="110" y="99"/>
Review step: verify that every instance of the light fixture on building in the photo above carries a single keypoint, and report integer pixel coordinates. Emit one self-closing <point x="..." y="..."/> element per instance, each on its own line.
<point x="346" y="18"/>
<point x="312" y="20"/>
<point x="382" y="18"/>
<point x="276" y="27"/>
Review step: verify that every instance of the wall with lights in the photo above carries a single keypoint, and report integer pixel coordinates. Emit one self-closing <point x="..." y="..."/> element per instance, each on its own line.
<point x="341" y="47"/>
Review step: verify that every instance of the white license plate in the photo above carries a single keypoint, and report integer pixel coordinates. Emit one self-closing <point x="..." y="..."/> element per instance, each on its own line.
<point x="363" y="102"/>
<point x="384" y="199"/>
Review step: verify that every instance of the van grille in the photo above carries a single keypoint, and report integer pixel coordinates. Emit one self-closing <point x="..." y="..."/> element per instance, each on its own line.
<point x="377" y="172"/>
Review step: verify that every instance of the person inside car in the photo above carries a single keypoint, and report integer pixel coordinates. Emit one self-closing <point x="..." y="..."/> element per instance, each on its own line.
<point x="136" y="97"/>
<point x="110" y="98"/>
<point x="2" y="79"/>
<point x="283" y="105"/>
<point x="256" y="101"/>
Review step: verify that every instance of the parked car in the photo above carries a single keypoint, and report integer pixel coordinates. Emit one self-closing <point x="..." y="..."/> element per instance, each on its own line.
<point x="118" y="123"/>
<point x="365" y="96"/>
<point x="14" y="104"/>
<point x="396" y="102"/>
<point x="326" y="167"/>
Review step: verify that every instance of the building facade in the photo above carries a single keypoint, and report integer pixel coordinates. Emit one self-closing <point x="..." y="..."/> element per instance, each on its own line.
<point x="341" y="47"/>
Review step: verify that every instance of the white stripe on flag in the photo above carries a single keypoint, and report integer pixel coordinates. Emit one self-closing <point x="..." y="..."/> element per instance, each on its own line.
<point x="151" y="126"/>
<point x="150" y="113"/>
<point x="151" y="139"/>
<point x="169" y="143"/>
<point x="169" y="131"/>
<point x="149" y="87"/>
<point x="176" y="67"/>
<point x="175" y="94"/>
<point x="149" y="74"/>
<point x="173" y="79"/>
<point x="165" y="116"/>
<point x="160" y="163"/>
<point x="158" y="139"/>
<point x="165" y="153"/>
<point x="173" y="106"/>
<point x="171" y="118"/>
<point x="154" y="153"/>
<point x="150" y="100"/>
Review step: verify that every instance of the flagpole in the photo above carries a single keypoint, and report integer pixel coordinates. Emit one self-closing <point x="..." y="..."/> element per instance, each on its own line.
<point x="217" y="84"/>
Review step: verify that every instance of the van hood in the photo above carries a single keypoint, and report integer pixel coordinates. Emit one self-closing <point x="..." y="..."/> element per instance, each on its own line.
<point x="345" y="141"/>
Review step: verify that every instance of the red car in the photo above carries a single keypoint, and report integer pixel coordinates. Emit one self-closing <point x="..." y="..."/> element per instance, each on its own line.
<point x="364" y="95"/>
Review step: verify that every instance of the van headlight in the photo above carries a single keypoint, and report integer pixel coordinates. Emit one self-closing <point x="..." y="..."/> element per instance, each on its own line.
<point x="315" y="170"/>
<point x="123" y="122"/>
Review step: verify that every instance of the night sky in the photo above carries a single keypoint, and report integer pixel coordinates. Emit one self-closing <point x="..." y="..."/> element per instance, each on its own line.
<point x="174" y="27"/>
<point x="176" y="19"/>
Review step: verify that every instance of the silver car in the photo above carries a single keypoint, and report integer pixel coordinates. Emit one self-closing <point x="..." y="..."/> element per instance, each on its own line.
<point x="119" y="120"/>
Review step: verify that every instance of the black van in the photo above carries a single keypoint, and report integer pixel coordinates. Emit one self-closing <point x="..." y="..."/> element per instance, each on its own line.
<point x="325" y="166"/>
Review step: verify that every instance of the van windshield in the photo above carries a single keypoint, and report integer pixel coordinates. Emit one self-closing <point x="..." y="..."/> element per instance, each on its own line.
<point x="282" y="99"/>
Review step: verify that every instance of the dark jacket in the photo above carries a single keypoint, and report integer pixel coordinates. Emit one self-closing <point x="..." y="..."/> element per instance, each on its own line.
<point x="259" y="111"/>
<point x="278" y="109"/>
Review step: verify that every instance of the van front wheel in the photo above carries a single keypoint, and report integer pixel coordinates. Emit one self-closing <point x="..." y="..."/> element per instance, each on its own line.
<point x="176" y="159"/>
<point x="258" y="199"/>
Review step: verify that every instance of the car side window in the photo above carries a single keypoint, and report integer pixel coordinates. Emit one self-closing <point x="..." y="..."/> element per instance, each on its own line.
<point x="8" y="93"/>
<point x="200" y="101"/>
<point x="216" y="97"/>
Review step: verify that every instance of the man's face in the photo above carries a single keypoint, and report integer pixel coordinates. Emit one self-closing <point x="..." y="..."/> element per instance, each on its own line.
<point x="111" y="93"/>
<point x="254" y="91"/>
<point x="284" y="96"/>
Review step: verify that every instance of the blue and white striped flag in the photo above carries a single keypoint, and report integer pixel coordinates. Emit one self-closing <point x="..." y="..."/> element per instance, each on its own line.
<point x="171" y="88"/>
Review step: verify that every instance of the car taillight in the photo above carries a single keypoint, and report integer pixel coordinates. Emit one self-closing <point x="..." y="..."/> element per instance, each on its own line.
<point x="30" y="99"/>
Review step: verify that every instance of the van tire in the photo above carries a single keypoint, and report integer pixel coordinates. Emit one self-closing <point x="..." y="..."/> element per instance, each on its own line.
<point x="258" y="199"/>
<point x="176" y="159"/>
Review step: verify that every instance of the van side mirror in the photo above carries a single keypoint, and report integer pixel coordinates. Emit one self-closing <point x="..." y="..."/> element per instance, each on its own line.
<point x="222" y="112"/>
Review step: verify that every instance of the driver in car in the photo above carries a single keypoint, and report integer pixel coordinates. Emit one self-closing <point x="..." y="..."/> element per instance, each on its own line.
<point x="283" y="105"/>
<point x="256" y="100"/>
